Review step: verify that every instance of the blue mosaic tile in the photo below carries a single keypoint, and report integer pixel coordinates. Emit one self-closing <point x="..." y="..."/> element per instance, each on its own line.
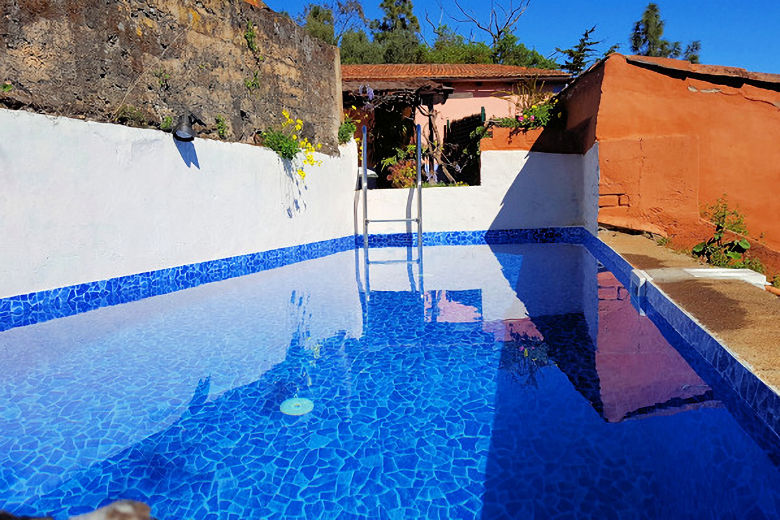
<point x="755" y="392"/>
<point x="42" y="306"/>
<point x="26" y="309"/>
<point x="567" y="235"/>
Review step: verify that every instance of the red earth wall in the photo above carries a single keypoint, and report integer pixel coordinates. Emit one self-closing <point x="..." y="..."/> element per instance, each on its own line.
<point x="673" y="137"/>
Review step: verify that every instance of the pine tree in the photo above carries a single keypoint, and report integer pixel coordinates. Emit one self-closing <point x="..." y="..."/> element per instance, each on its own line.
<point x="399" y="15"/>
<point x="577" y="57"/>
<point x="647" y="38"/>
<point x="318" y="21"/>
<point x="397" y="32"/>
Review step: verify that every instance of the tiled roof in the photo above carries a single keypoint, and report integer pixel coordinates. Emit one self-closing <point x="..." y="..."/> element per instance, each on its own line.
<point x="443" y="72"/>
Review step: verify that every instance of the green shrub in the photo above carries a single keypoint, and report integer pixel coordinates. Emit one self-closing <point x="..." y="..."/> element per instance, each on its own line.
<point x="732" y="253"/>
<point x="347" y="130"/>
<point x="6" y="87"/>
<point x="166" y="124"/>
<point x="281" y="143"/>
<point x="538" y="115"/>
<point x="506" y="122"/>
<point x="720" y="215"/>
<point x="287" y="142"/>
<point x="221" y="127"/>
<point x="131" y="116"/>
<point x="253" y="82"/>
<point x="162" y="78"/>
<point x="250" y="36"/>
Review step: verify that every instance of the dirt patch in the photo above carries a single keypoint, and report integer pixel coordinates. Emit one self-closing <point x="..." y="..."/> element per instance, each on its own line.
<point x="644" y="253"/>
<point x="644" y="261"/>
<point x="712" y="306"/>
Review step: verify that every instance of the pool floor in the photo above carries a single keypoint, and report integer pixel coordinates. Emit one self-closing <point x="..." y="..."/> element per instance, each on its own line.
<point x="511" y="381"/>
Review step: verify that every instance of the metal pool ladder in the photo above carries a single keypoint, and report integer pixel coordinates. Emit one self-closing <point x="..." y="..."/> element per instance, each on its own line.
<point x="418" y="219"/>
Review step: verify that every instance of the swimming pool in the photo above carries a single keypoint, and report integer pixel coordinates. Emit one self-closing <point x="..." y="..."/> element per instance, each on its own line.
<point x="509" y="381"/>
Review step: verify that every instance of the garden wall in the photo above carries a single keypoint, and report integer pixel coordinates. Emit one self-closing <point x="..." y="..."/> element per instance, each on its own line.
<point x="85" y="201"/>
<point x="138" y="62"/>
<point x="520" y="189"/>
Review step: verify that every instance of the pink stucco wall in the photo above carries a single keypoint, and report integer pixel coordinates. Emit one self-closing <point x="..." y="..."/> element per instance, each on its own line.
<point x="467" y="99"/>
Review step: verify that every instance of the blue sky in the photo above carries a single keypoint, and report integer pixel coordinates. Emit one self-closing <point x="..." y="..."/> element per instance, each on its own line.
<point x="742" y="34"/>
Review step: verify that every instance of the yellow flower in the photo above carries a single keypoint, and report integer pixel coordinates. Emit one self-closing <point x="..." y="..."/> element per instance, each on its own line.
<point x="286" y="114"/>
<point x="294" y="136"/>
<point x="319" y="145"/>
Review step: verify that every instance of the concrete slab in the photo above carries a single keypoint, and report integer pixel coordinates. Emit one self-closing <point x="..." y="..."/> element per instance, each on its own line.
<point x="677" y="274"/>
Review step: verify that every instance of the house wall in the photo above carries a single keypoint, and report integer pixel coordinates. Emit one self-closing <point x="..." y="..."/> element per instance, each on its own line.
<point x="84" y="201"/>
<point x="671" y="143"/>
<point x="468" y="98"/>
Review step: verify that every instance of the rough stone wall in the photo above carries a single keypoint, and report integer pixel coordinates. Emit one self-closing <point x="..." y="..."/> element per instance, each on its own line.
<point x="138" y="62"/>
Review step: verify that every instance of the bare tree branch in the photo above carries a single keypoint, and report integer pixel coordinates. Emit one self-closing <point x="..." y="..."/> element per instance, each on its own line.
<point x="502" y="19"/>
<point x="435" y="147"/>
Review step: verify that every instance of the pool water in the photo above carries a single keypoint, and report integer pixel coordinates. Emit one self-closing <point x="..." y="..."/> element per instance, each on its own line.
<point x="511" y="381"/>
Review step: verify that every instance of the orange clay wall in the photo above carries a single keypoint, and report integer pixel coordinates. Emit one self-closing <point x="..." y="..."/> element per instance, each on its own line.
<point x="671" y="143"/>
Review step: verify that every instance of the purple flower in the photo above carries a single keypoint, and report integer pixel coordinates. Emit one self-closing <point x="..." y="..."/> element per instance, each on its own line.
<point x="370" y="93"/>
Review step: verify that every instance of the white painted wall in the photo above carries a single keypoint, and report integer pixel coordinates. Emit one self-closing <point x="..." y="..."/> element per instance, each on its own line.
<point x="590" y="188"/>
<point x="84" y="201"/>
<point x="520" y="189"/>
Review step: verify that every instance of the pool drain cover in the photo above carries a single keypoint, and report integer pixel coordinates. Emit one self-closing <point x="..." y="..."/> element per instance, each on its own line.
<point x="297" y="406"/>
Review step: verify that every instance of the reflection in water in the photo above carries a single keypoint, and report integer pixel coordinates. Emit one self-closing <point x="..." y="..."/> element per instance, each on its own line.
<point x="504" y="392"/>
<point x="453" y="306"/>
<point x="523" y="357"/>
<point x="640" y="373"/>
<point x="631" y="371"/>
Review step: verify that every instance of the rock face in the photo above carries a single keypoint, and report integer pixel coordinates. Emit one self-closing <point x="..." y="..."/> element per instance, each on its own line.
<point x="233" y="63"/>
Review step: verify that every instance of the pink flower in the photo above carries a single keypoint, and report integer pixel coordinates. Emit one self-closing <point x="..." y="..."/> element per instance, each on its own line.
<point x="532" y="118"/>
<point x="522" y="117"/>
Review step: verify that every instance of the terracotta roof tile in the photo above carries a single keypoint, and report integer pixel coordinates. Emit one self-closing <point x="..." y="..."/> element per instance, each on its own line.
<point x="443" y="72"/>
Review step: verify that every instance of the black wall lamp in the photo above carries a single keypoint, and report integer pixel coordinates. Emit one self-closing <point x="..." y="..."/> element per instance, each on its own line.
<point x="183" y="130"/>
